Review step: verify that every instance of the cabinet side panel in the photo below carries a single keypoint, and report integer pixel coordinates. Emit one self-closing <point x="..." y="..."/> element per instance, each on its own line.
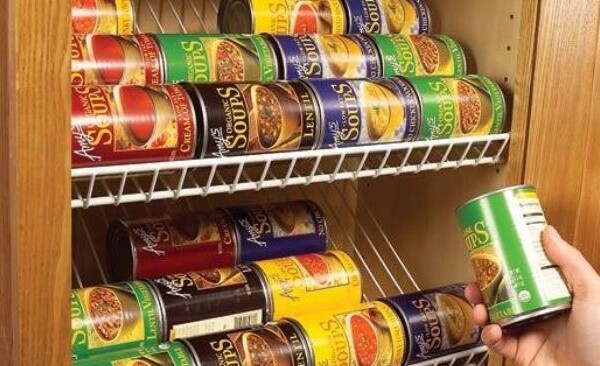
<point x="39" y="183"/>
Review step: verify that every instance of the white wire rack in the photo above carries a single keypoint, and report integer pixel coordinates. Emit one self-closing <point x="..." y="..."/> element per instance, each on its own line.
<point x="385" y="272"/>
<point x="114" y="185"/>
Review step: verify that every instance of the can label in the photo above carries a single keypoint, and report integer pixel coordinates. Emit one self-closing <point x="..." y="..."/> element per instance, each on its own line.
<point x="363" y="334"/>
<point x="438" y="322"/>
<point x="274" y="345"/>
<point x="184" y="243"/>
<point x="357" y="112"/>
<point x="279" y="230"/>
<point x="200" y="303"/>
<point x="102" y="16"/>
<point x="328" y="56"/>
<point x="419" y="55"/>
<point x="131" y="124"/>
<point x="311" y="281"/>
<point x="113" y="317"/>
<point x="502" y="232"/>
<point x="465" y="106"/>
<point x="299" y="17"/>
<point x="257" y="118"/>
<point x="165" y="354"/>
<point x="204" y="58"/>
<point x="110" y="60"/>
<point x="388" y="16"/>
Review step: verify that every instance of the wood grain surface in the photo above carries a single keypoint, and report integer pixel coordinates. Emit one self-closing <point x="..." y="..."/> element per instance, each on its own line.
<point x="35" y="164"/>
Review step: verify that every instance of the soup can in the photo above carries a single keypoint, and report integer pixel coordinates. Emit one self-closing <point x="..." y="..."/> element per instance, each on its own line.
<point x="153" y="247"/>
<point x="195" y="58"/>
<point x="113" y="317"/>
<point x="457" y="107"/>
<point x="255" y="118"/>
<point x="388" y="16"/>
<point x="359" y="112"/>
<point x="281" y="344"/>
<point x="361" y="334"/>
<point x="437" y="321"/>
<point x="211" y="301"/>
<point x="102" y="16"/>
<point x="282" y="16"/>
<point x="101" y="59"/>
<point x="131" y="124"/>
<point x="280" y="229"/>
<point x="418" y="55"/>
<point x="326" y="56"/>
<point x="164" y="354"/>
<point x="302" y="283"/>
<point x="503" y="231"/>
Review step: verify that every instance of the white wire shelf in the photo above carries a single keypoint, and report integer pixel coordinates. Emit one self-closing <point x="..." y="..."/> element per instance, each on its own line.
<point x="114" y="185"/>
<point x="354" y="225"/>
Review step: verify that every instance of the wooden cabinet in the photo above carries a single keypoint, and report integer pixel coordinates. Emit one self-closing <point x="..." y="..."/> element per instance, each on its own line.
<point x="544" y="54"/>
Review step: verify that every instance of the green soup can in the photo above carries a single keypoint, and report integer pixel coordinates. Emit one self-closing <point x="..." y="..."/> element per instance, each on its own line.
<point x="165" y="354"/>
<point x="471" y="105"/>
<point x="502" y="231"/>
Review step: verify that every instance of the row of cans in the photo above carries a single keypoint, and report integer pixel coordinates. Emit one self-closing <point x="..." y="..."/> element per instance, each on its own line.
<point x="135" y="124"/>
<point x="154" y="247"/>
<point x="195" y="303"/>
<point x="270" y="16"/>
<point x="147" y="59"/>
<point x="401" y="330"/>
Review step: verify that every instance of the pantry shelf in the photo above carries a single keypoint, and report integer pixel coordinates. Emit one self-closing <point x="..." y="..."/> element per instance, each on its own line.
<point x="115" y="185"/>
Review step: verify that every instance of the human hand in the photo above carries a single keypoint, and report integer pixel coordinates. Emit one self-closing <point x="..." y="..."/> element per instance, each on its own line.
<point x="565" y="340"/>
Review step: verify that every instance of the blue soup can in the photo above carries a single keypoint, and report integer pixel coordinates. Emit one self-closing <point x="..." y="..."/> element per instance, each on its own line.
<point x="359" y="112"/>
<point x="437" y="321"/>
<point x="326" y="56"/>
<point x="279" y="230"/>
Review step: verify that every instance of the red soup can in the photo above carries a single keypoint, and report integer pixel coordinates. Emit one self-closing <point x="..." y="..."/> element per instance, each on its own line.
<point x="152" y="247"/>
<point x="131" y="124"/>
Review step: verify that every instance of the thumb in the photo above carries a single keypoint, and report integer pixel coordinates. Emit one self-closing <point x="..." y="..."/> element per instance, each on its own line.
<point x="578" y="272"/>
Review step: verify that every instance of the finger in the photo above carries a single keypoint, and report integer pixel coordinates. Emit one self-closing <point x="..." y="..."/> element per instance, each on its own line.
<point x="473" y="293"/>
<point x="480" y="315"/>
<point x="578" y="272"/>
<point x="504" y="345"/>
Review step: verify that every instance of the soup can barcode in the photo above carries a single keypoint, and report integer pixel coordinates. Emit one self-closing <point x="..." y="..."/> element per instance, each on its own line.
<point x="502" y="231"/>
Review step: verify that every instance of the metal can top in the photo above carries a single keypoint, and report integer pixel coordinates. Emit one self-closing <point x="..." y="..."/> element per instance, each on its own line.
<point x="485" y="195"/>
<point x="121" y="252"/>
<point x="235" y="16"/>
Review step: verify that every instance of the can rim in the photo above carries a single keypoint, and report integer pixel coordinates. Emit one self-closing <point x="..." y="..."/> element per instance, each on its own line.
<point x="120" y="227"/>
<point x="162" y="58"/>
<point x="221" y="14"/>
<point x="275" y="59"/>
<point x="204" y="113"/>
<point x="237" y="248"/>
<point x="534" y="314"/>
<point x="498" y="191"/>
<point x="404" y="320"/>
<point x="273" y="40"/>
<point x="161" y="309"/>
<point x="396" y="80"/>
<point x="266" y="289"/>
<point x="191" y="350"/>
<point x="308" y="83"/>
<point x="303" y="337"/>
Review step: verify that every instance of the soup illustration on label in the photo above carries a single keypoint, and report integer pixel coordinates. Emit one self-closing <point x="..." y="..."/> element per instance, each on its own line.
<point x="464" y="106"/>
<point x="280" y="344"/>
<point x="131" y="124"/>
<point x="368" y="334"/>
<point x="213" y="58"/>
<point x="164" y="354"/>
<point x="388" y="16"/>
<point x="210" y="301"/>
<point x="317" y="56"/>
<point x="357" y="112"/>
<point x="153" y="247"/>
<point x="99" y="59"/>
<point x="102" y="16"/>
<point x="280" y="229"/>
<point x="310" y="281"/>
<point x="256" y="118"/>
<point x="282" y="17"/>
<point x="502" y="231"/>
<point x="113" y="317"/>
<point x="438" y="321"/>
<point x="419" y="55"/>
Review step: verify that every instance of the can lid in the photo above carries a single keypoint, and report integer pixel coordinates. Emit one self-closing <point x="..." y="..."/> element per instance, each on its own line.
<point x="235" y="16"/>
<point x="121" y="252"/>
<point x="266" y="289"/>
<point x="492" y="194"/>
<point x="303" y="337"/>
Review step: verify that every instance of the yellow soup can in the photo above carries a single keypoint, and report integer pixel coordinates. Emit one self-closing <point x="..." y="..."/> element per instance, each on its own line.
<point x="302" y="283"/>
<point x="365" y="334"/>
